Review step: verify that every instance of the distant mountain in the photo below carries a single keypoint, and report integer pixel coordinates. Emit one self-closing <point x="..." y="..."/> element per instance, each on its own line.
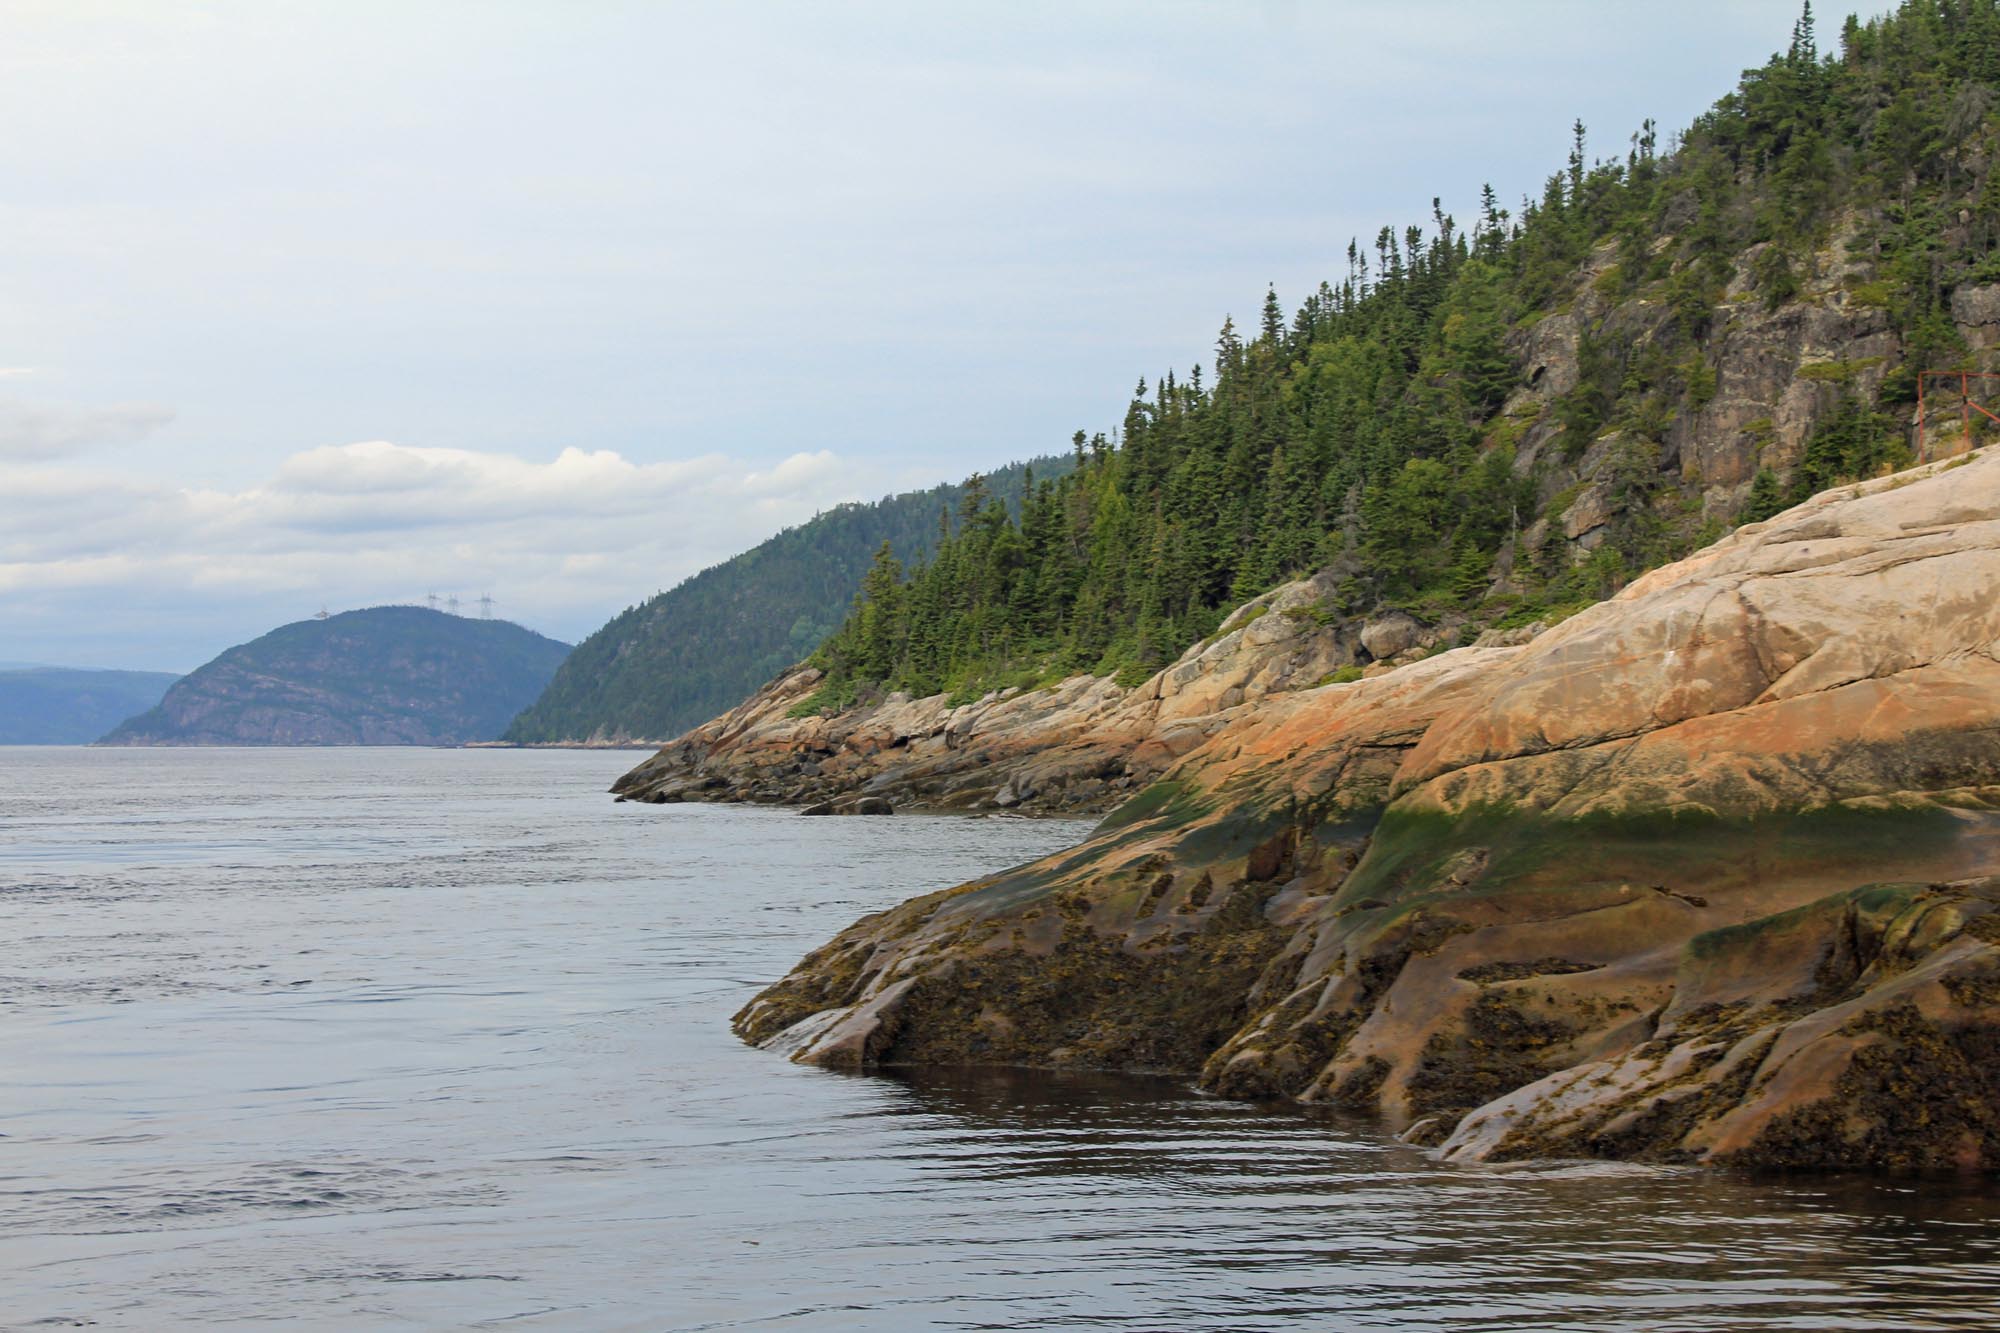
<point x="389" y="675"/>
<point x="707" y="644"/>
<point x="71" y="706"/>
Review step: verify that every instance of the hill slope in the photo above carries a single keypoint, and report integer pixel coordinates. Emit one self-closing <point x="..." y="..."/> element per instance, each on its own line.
<point x="1497" y="424"/>
<point x="71" y="706"/>
<point x="388" y="675"/>
<point x="704" y="645"/>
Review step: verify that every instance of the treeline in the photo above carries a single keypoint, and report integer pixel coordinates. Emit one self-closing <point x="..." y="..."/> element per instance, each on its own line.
<point x="705" y="645"/>
<point x="1363" y="429"/>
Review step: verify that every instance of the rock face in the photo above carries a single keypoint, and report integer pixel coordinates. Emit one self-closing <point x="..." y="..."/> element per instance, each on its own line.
<point x="1780" y="372"/>
<point x="388" y="675"/>
<point x="1976" y="310"/>
<point x="1709" y="872"/>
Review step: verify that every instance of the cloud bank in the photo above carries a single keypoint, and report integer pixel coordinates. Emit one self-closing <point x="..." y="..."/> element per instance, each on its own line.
<point x="39" y="430"/>
<point x="173" y="574"/>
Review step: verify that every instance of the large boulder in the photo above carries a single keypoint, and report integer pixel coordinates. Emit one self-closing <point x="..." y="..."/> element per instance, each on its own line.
<point x="1976" y="310"/>
<point x="1388" y="636"/>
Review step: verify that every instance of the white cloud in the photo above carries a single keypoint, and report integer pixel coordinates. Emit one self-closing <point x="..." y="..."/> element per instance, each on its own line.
<point x="562" y="543"/>
<point x="40" y="430"/>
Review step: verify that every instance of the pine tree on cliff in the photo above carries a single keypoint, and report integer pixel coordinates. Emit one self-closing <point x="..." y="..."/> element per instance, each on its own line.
<point x="1767" y="497"/>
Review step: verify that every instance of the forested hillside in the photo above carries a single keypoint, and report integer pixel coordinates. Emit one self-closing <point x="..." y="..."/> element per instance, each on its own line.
<point x="1497" y="423"/>
<point x="701" y="647"/>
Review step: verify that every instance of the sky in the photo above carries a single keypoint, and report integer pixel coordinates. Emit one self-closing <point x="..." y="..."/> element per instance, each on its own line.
<point x="312" y="305"/>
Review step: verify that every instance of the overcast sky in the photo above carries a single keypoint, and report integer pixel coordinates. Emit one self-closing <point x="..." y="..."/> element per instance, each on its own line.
<point x="310" y="304"/>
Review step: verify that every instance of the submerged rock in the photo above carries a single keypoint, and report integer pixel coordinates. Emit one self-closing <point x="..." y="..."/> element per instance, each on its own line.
<point x="1705" y="873"/>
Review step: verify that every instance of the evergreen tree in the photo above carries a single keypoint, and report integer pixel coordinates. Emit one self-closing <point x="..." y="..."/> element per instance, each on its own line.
<point x="1766" y="498"/>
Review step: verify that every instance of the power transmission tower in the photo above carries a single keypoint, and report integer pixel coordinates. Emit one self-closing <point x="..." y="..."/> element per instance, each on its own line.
<point x="451" y="604"/>
<point x="1966" y="405"/>
<point x="486" y="606"/>
<point x="431" y="600"/>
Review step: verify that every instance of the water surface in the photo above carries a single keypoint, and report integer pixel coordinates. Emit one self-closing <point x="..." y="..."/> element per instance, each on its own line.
<point x="438" y="1039"/>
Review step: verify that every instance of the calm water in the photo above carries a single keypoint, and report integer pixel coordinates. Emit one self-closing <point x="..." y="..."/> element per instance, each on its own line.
<point x="438" y="1039"/>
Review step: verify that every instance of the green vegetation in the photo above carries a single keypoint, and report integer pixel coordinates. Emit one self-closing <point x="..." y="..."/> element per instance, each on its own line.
<point x="1855" y="441"/>
<point x="1365" y="431"/>
<point x="1665" y="850"/>
<point x="705" y="645"/>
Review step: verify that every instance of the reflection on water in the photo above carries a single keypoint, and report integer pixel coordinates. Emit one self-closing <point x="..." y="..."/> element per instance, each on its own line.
<point x="437" y="1039"/>
<point x="1284" y="1213"/>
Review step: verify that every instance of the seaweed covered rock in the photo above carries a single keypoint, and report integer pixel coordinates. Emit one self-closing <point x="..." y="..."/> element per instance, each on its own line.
<point x="1862" y="1027"/>
<point x="1702" y="874"/>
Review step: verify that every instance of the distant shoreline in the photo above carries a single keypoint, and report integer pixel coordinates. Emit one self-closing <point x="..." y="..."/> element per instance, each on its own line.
<point x="564" y="745"/>
<point x="205" y="745"/>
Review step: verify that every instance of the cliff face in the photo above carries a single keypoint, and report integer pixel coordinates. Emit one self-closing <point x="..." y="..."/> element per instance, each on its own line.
<point x="1708" y="872"/>
<point x="389" y="675"/>
<point x="1779" y="373"/>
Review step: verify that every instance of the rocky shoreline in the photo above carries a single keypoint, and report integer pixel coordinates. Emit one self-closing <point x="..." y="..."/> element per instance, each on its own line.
<point x="1082" y="746"/>
<point x="1707" y="873"/>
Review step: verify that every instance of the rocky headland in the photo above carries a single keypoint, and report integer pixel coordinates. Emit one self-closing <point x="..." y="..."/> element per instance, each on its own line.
<point x="1086" y="744"/>
<point x="1709" y="872"/>
<point x="1081" y="746"/>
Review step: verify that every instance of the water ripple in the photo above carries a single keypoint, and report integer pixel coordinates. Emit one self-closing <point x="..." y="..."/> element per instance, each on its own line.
<point x="438" y="1039"/>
